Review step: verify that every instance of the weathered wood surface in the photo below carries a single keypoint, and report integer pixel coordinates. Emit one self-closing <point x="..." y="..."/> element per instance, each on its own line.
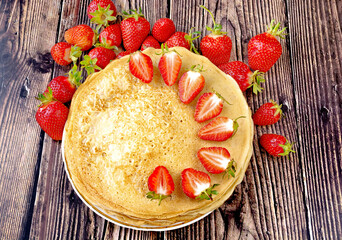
<point x="280" y="198"/>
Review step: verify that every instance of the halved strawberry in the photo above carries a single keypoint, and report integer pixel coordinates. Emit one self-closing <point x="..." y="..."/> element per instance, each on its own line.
<point x="220" y="129"/>
<point x="191" y="84"/>
<point x="141" y="66"/>
<point x="160" y="184"/>
<point x="209" y="105"/>
<point x="169" y="65"/>
<point x="217" y="160"/>
<point x="196" y="184"/>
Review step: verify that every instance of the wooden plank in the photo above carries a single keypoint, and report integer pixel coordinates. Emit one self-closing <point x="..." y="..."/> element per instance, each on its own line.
<point x="27" y="31"/>
<point x="270" y="201"/>
<point x="316" y="50"/>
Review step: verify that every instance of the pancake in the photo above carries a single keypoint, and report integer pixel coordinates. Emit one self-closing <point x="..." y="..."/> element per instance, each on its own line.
<point x="119" y="129"/>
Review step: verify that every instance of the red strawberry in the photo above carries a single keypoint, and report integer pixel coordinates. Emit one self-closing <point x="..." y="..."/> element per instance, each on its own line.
<point x="150" y="41"/>
<point x="103" y="56"/>
<point x="182" y="39"/>
<point x="135" y="29"/>
<point x="122" y="54"/>
<point x="60" y="52"/>
<point x="163" y="29"/>
<point x="217" y="160"/>
<point x="244" y="77"/>
<point x="63" y="88"/>
<point x="160" y="184"/>
<point x="216" y="46"/>
<point x="141" y="66"/>
<point x="196" y="184"/>
<point x="267" y="114"/>
<point x="220" y="129"/>
<point x="209" y="105"/>
<point x="81" y="35"/>
<point x="111" y="36"/>
<point x="276" y="145"/>
<point x="101" y="12"/>
<point x="51" y="115"/>
<point x="264" y="49"/>
<point x="169" y="65"/>
<point x="191" y="84"/>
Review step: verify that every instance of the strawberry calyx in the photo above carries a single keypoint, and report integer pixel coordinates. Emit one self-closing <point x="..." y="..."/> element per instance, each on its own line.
<point x="102" y="17"/>
<point x="231" y="168"/>
<point x="75" y="53"/>
<point x="236" y="125"/>
<point x="273" y="30"/>
<point x="197" y="68"/>
<point x="75" y="76"/>
<point x="256" y="79"/>
<point x="153" y="195"/>
<point x="287" y="147"/>
<point x="190" y="38"/>
<point x="216" y="30"/>
<point x="106" y="45"/>
<point x="135" y="14"/>
<point x="89" y="64"/>
<point x="165" y="49"/>
<point x="46" y="97"/>
<point x="221" y="97"/>
<point x="277" y="107"/>
<point x="207" y="193"/>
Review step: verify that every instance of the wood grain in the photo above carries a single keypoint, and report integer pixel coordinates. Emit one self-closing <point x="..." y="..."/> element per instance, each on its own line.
<point x="298" y="197"/>
<point x="316" y="59"/>
<point x="27" y="32"/>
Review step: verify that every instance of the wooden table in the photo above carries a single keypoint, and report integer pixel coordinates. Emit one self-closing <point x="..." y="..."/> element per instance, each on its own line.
<point x="298" y="197"/>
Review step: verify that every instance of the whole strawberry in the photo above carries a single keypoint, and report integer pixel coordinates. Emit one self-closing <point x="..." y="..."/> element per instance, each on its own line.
<point x="150" y="41"/>
<point x="244" y="77"/>
<point x="81" y="35"/>
<point x="63" y="88"/>
<point x="51" y="115"/>
<point x="103" y="56"/>
<point x="182" y="39"/>
<point x="163" y="29"/>
<point x="101" y="12"/>
<point x="264" y="49"/>
<point x="122" y="54"/>
<point x="269" y="113"/>
<point x="135" y="29"/>
<point x="111" y="36"/>
<point x="216" y="46"/>
<point x="276" y="145"/>
<point x="60" y="52"/>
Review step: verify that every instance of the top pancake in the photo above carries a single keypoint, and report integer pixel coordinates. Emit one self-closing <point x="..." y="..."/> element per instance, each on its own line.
<point x="119" y="129"/>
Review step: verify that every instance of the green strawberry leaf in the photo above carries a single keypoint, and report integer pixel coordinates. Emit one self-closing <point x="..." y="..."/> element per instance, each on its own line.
<point x="75" y="53"/>
<point x="217" y="27"/>
<point x="102" y="17"/>
<point x="152" y="195"/>
<point x="89" y="64"/>
<point x="207" y="194"/>
<point x="75" y="76"/>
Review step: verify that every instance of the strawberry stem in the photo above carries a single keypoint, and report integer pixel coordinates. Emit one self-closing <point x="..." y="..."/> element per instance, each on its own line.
<point x="221" y="97"/>
<point x="197" y="68"/>
<point x="135" y="14"/>
<point x="217" y="27"/>
<point x="273" y="30"/>
<point x="256" y="79"/>
<point x="190" y="38"/>
<point x="236" y="125"/>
